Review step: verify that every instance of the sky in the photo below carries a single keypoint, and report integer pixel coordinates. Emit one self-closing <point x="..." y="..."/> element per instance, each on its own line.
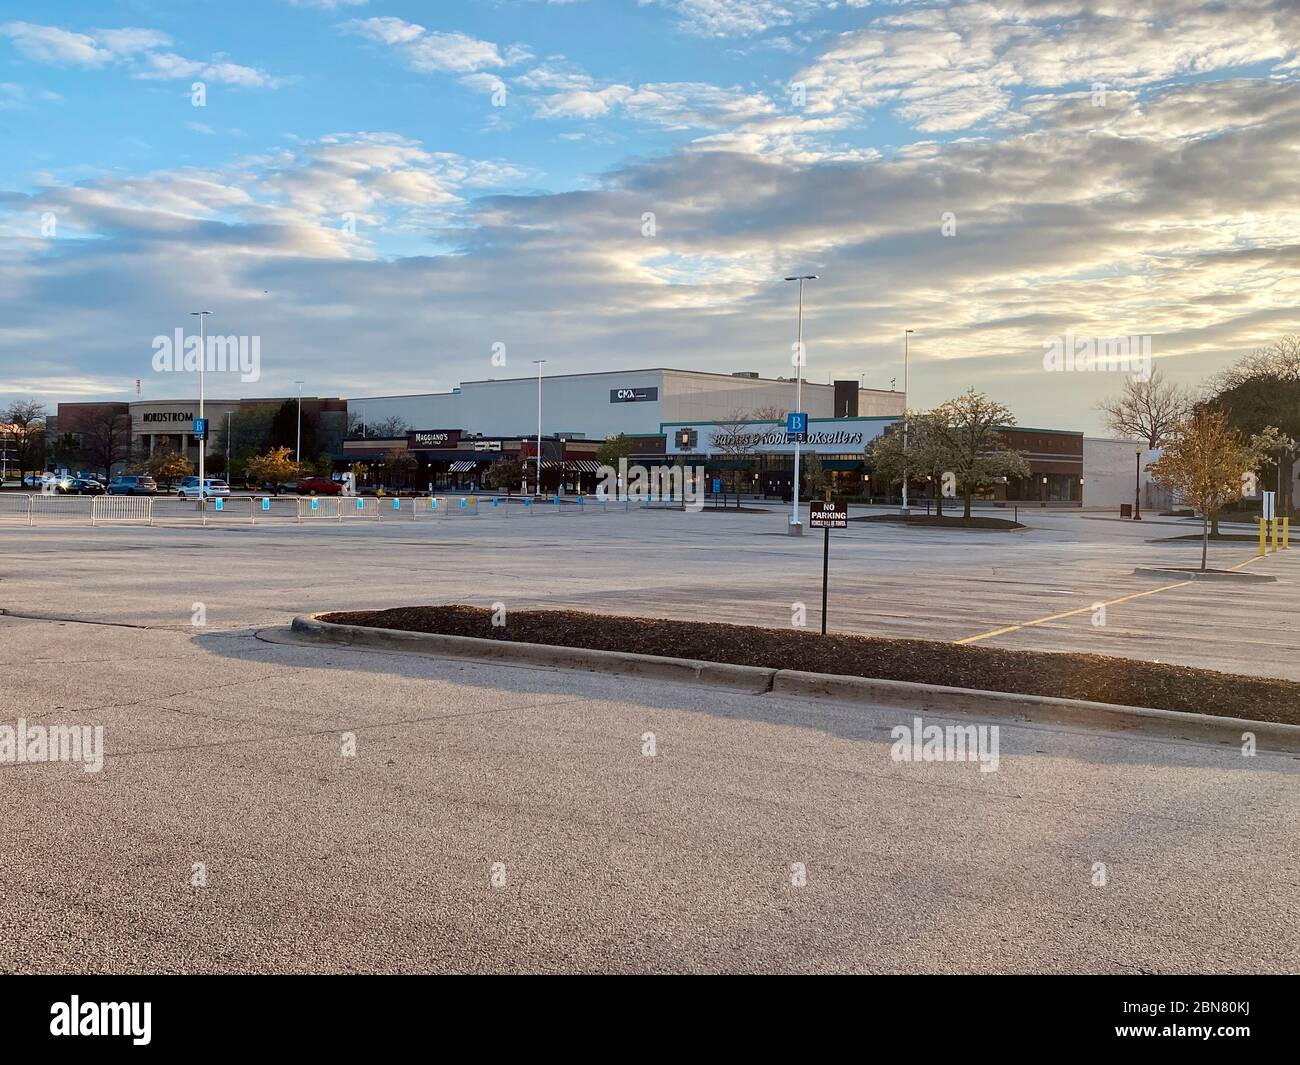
<point x="389" y="194"/>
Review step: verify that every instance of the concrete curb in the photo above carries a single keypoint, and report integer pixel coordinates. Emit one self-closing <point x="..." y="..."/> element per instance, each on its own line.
<point x="1197" y="575"/>
<point x="1170" y="724"/>
<point x="1173" y="724"/>
<point x="719" y="674"/>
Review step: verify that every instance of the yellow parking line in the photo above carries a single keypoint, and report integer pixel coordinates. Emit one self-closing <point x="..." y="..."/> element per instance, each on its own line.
<point x="1085" y="609"/>
<point x="1070" y="613"/>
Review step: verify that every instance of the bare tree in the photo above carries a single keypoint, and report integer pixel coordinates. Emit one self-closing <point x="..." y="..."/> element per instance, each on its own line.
<point x="1279" y="361"/>
<point x="105" y="440"/>
<point x="1147" y="410"/>
<point x="734" y="437"/>
<point x="26" y="419"/>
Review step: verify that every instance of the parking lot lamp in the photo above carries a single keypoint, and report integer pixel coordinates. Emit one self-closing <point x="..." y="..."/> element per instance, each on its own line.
<point x="298" y="452"/>
<point x="906" y="333"/>
<point x="203" y="359"/>
<point x="539" y="424"/>
<point x="796" y="528"/>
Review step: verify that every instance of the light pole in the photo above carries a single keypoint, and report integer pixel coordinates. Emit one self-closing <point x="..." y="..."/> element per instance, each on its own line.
<point x="203" y="444"/>
<point x="1137" y="489"/>
<point x="298" y="452"/>
<point x="539" y="424"/>
<point x="796" y="528"/>
<point x="906" y="333"/>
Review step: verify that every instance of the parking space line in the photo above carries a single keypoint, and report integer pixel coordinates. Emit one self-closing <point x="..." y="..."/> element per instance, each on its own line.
<point x="1070" y="613"/>
<point x="1085" y="609"/>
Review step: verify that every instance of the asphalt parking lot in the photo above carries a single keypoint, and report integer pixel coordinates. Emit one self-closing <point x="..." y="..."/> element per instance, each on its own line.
<point x="938" y="584"/>
<point x="495" y="818"/>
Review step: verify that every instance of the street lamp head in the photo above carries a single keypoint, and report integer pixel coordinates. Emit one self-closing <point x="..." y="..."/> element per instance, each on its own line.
<point x="199" y="313"/>
<point x="803" y="277"/>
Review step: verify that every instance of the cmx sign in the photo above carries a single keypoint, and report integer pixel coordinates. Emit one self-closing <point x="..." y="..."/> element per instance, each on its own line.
<point x="633" y="395"/>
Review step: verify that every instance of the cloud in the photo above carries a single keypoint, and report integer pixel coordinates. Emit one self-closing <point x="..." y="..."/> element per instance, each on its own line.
<point x="432" y="51"/>
<point x="137" y="48"/>
<point x="945" y="68"/>
<point x="561" y="92"/>
<point x="1145" y="220"/>
<point x="737" y="18"/>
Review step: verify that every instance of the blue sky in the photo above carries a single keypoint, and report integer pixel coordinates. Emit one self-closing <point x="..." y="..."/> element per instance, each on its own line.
<point x="382" y="190"/>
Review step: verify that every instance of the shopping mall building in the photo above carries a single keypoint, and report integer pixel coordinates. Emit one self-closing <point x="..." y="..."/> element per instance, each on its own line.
<point x="729" y="423"/>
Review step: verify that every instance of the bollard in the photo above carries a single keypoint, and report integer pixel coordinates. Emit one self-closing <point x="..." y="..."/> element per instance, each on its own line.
<point x="1286" y="534"/>
<point x="1263" y="540"/>
<point x="1274" y="524"/>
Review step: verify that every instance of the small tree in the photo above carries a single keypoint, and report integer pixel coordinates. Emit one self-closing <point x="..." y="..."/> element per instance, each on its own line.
<point x="275" y="467"/>
<point x="812" y="473"/>
<point x="613" y="449"/>
<point x="924" y="453"/>
<point x="64" y="451"/>
<point x="507" y="474"/>
<point x="169" y="466"/>
<point x="965" y="432"/>
<point x="400" y="465"/>
<point x="734" y="437"/>
<point x="1203" y="464"/>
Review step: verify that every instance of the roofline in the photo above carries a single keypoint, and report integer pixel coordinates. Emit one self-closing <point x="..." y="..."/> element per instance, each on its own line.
<point x="616" y="373"/>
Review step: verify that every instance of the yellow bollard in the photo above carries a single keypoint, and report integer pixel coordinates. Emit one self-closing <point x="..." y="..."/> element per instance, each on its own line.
<point x="1286" y="534"/>
<point x="1274" y="523"/>
<point x="1262" y="539"/>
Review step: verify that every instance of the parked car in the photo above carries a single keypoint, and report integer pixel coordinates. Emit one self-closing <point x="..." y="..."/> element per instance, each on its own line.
<point x="318" y="486"/>
<point x="133" y="486"/>
<point x="189" y="488"/>
<point x="79" y="486"/>
<point x="38" y="480"/>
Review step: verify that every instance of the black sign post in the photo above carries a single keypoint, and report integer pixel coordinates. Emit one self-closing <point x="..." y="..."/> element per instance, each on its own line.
<point x="826" y="516"/>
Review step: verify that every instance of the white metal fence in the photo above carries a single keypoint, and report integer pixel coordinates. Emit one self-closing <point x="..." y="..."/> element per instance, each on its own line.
<point x="121" y="510"/>
<point x="41" y="509"/>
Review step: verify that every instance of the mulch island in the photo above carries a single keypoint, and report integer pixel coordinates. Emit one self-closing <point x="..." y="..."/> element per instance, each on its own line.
<point x="946" y="522"/>
<point x="1073" y="676"/>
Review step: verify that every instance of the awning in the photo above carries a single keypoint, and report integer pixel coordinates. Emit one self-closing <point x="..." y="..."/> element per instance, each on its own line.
<point x="584" y="465"/>
<point x="461" y="467"/>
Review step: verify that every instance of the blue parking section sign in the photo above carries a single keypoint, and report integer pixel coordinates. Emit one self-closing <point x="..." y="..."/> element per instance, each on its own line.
<point x="796" y="422"/>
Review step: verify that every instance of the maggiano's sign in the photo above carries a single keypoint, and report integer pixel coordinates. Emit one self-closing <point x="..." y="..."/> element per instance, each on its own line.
<point x="431" y="439"/>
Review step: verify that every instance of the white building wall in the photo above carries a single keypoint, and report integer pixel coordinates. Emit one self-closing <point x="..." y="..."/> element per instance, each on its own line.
<point x="581" y="403"/>
<point x="1109" y="472"/>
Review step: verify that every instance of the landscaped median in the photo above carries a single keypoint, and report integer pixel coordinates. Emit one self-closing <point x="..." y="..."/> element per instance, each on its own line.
<point x="1080" y="689"/>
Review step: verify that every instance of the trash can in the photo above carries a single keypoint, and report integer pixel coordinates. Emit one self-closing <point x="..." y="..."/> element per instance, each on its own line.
<point x="1126" y="510"/>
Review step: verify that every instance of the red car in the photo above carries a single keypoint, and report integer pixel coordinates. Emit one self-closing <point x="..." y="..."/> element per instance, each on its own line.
<point x="319" y="486"/>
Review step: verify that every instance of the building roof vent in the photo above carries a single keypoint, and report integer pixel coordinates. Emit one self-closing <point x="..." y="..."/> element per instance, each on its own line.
<point x="746" y="373"/>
